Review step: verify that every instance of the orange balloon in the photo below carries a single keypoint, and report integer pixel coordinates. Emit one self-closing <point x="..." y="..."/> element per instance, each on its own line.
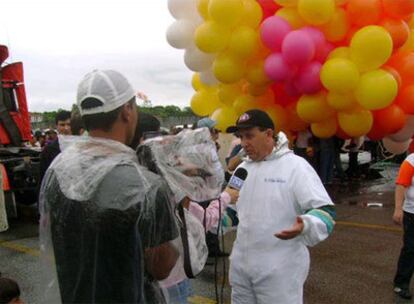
<point x="398" y="8"/>
<point x="405" y="99"/>
<point x="398" y="29"/>
<point x="364" y="12"/>
<point x="394" y="73"/>
<point x="403" y="62"/>
<point x="342" y="134"/>
<point x="390" y="120"/>
<point x="348" y="37"/>
<point x="294" y="123"/>
<point x="267" y="99"/>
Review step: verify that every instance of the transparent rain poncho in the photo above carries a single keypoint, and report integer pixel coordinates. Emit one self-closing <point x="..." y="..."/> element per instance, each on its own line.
<point x="188" y="162"/>
<point x="100" y="211"/>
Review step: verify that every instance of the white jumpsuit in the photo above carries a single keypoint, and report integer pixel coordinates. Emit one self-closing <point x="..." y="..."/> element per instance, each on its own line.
<point x="265" y="269"/>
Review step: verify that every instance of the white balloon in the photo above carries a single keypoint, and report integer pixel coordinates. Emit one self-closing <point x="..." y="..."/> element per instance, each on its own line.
<point x="394" y="146"/>
<point x="183" y="8"/>
<point x="405" y="133"/>
<point x="196" y="60"/>
<point x="208" y="78"/>
<point x="180" y="34"/>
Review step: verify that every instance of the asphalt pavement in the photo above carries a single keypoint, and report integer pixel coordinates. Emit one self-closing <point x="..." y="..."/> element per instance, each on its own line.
<point x="355" y="265"/>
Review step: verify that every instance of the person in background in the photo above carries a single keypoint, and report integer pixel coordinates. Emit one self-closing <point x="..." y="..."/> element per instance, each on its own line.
<point x="77" y="126"/>
<point x="51" y="150"/>
<point x="302" y="143"/>
<point x="210" y="124"/>
<point x="212" y="239"/>
<point x="51" y="136"/>
<point x="283" y="208"/>
<point x="9" y="292"/>
<point x="148" y="126"/>
<point x="404" y="215"/>
<point x="327" y="160"/>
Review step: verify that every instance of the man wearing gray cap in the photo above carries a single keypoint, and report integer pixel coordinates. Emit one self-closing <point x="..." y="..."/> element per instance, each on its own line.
<point x="104" y="219"/>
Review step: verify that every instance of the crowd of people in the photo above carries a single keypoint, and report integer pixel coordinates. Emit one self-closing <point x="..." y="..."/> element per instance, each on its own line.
<point x="126" y="207"/>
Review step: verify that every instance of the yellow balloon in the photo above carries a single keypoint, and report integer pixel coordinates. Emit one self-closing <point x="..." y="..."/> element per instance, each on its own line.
<point x="279" y="116"/>
<point x="341" y="52"/>
<point x="196" y="82"/>
<point x="256" y="74"/>
<point x="291" y="15"/>
<point x="371" y="47"/>
<point x="409" y="44"/>
<point x="228" y="69"/>
<point x="252" y="15"/>
<point x="356" y="123"/>
<point x="326" y="128"/>
<point x="316" y="12"/>
<point x="339" y="75"/>
<point x="341" y="2"/>
<point x="337" y="28"/>
<point x="225" y="117"/>
<point x="211" y="37"/>
<point x="243" y="42"/>
<point x="227" y="93"/>
<point x="244" y="103"/>
<point x="202" y="7"/>
<point x="376" y="90"/>
<point x="205" y="102"/>
<point x="227" y="13"/>
<point x="411" y="22"/>
<point x="287" y="3"/>
<point x="341" y="102"/>
<point x="314" y="108"/>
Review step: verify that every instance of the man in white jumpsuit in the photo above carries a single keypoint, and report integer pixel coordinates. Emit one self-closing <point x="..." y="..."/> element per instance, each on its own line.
<point x="283" y="208"/>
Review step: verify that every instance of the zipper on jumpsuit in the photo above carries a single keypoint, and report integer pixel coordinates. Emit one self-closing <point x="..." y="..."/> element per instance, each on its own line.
<point x="246" y="253"/>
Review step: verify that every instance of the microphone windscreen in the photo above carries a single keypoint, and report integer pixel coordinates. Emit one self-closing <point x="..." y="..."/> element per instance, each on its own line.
<point x="238" y="178"/>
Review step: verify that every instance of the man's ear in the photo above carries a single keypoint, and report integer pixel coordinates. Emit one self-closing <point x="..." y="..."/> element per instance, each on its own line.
<point x="270" y="133"/>
<point x="126" y="112"/>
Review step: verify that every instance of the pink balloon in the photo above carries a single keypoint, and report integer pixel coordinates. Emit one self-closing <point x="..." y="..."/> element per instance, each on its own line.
<point x="321" y="56"/>
<point x="276" y="68"/>
<point x="317" y="37"/>
<point x="298" y="48"/>
<point x="273" y="30"/>
<point x="308" y="79"/>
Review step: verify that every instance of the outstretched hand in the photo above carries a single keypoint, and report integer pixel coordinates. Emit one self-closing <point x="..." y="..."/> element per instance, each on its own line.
<point x="292" y="232"/>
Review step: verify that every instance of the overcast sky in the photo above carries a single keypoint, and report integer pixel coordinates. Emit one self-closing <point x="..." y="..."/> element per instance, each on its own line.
<point x="61" y="40"/>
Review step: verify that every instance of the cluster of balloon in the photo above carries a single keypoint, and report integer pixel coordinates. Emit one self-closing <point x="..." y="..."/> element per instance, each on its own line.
<point x="340" y="67"/>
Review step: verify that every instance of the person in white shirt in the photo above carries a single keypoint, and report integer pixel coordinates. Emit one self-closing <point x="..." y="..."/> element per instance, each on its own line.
<point x="282" y="208"/>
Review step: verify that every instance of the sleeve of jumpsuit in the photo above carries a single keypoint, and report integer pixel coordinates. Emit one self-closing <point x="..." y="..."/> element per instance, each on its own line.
<point x="314" y="204"/>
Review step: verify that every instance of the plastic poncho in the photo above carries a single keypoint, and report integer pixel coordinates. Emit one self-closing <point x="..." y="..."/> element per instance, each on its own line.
<point x="99" y="211"/>
<point x="265" y="269"/>
<point x="189" y="163"/>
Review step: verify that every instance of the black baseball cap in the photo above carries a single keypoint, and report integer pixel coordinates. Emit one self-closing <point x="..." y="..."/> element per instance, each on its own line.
<point x="251" y="119"/>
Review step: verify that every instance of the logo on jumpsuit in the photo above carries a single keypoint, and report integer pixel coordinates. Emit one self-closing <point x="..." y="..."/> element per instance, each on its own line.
<point x="274" y="180"/>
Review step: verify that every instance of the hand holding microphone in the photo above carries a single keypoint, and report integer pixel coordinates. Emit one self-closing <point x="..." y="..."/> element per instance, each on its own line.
<point x="235" y="184"/>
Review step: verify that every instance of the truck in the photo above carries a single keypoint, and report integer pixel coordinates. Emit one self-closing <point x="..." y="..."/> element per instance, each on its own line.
<point x="19" y="163"/>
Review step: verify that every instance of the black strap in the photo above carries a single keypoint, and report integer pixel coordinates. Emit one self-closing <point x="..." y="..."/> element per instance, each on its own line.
<point x="7" y="121"/>
<point x="184" y="237"/>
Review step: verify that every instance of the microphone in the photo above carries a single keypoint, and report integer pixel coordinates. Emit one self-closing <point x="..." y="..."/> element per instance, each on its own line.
<point x="238" y="178"/>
